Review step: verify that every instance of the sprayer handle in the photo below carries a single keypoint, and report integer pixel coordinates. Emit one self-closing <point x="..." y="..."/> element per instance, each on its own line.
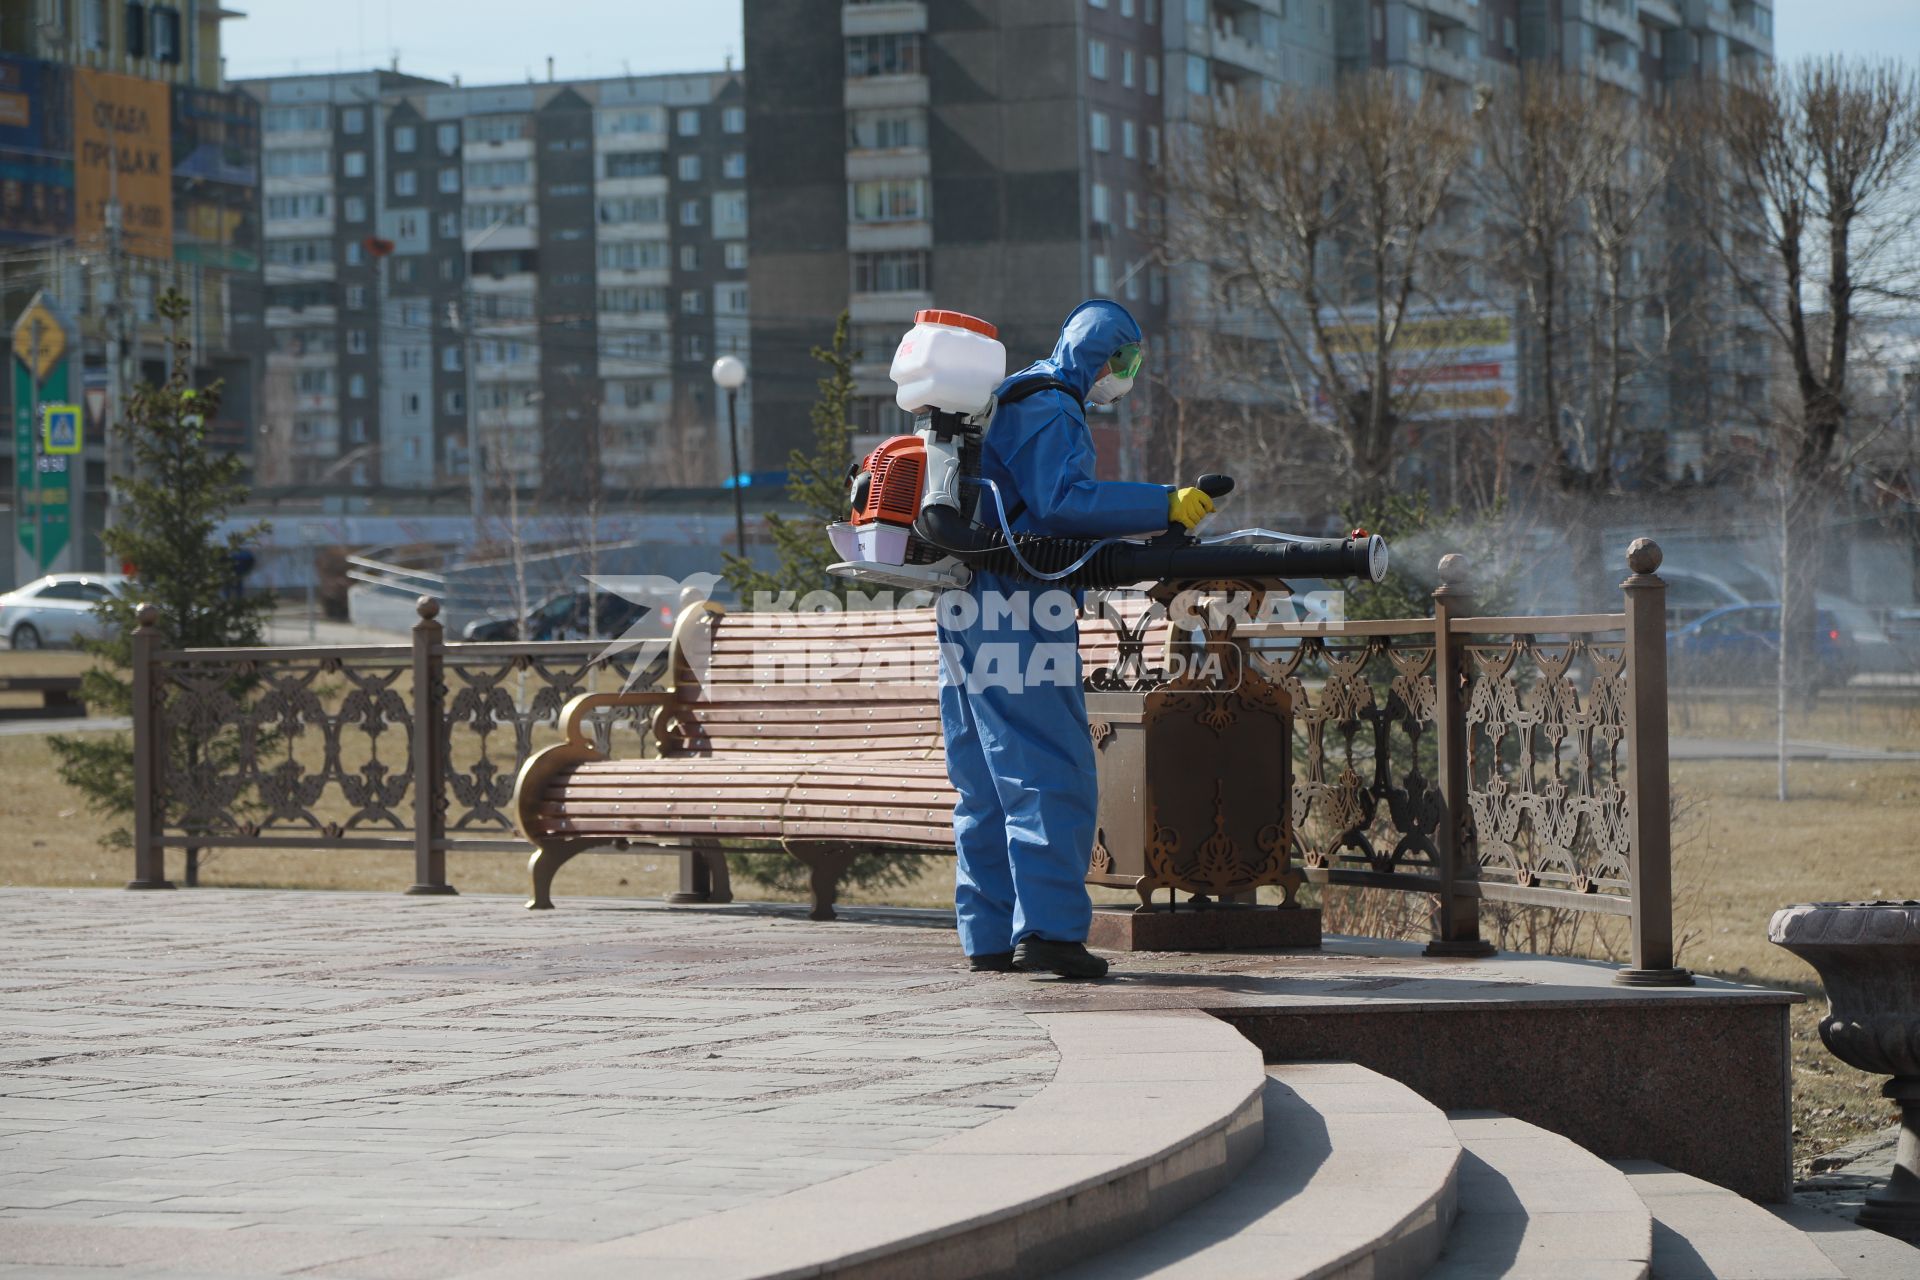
<point x="1214" y="485"/>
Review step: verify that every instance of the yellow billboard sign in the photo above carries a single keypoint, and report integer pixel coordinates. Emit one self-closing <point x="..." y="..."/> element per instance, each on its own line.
<point x="122" y="144"/>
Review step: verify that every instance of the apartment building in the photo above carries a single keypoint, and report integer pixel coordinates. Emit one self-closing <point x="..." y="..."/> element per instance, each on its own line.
<point x="999" y="157"/>
<point x="101" y="231"/>
<point x="1008" y="158"/>
<point x="541" y="272"/>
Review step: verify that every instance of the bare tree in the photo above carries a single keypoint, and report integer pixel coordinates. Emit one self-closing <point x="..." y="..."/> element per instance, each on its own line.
<point x="1804" y="184"/>
<point x="1329" y="214"/>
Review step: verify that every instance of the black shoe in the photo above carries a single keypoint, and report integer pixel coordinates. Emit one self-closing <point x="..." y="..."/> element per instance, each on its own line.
<point x="991" y="962"/>
<point x="1068" y="959"/>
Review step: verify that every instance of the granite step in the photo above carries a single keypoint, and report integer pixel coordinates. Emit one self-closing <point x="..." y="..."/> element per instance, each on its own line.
<point x="1537" y="1206"/>
<point x="1148" y="1113"/>
<point x="1357" y="1178"/>
<point x="1706" y="1232"/>
<point x="1859" y="1253"/>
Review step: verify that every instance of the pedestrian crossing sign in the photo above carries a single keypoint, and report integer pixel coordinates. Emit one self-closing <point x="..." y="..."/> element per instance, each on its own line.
<point x="61" y="423"/>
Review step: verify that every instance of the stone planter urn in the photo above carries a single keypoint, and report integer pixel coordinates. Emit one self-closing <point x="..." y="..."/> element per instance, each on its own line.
<point x="1868" y="956"/>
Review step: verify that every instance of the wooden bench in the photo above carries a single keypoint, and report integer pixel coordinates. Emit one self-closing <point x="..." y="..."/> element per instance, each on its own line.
<point x="59" y="698"/>
<point x="817" y="734"/>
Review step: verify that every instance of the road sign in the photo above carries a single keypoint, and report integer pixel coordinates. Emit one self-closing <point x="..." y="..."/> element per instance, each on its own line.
<point x="39" y="339"/>
<point x="61" y="428"/>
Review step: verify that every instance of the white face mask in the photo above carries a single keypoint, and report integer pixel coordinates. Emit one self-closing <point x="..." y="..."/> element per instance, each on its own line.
<point x="1108" y="389"/>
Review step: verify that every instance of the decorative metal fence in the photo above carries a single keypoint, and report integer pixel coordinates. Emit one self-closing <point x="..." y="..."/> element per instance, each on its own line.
<point x="401" y="746"/>
<point x="1477" y="759"/>
<point x="1490" y="759"/>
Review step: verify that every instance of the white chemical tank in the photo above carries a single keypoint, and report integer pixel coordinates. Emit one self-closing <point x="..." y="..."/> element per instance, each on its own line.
<point x="949" y="361"/>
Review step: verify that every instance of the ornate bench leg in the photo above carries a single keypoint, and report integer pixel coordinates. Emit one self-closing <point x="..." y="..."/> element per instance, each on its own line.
<point x="719" y="879"/>
<point x="825" y="865"/>
<point x="546" y="860"/>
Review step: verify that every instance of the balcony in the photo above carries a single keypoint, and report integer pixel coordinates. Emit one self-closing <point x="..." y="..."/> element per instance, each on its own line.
<point x="882" y="17"/>
<point x="1660" y="13"/>
<point x="1621" y="75"/>
<point x="867" y="236"/>
<point x="1614" y="16"/>
<point x="901" y="162"/>
<point x="1236" y="50"/>
<point x="1465" y="13"/>
<point x="1441" y="61"/>
<point x="880" y="308"/>
<point x="300" y="317"/>
<point x="886" y="91"/>
<point x="299" y="273"/>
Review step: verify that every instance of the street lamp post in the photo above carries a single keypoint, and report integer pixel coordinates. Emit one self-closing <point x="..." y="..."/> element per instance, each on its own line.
<point x="730" y="374"/>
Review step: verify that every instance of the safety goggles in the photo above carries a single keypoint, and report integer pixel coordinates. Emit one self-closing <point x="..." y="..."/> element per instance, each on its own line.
<point x="1126" y="361"/>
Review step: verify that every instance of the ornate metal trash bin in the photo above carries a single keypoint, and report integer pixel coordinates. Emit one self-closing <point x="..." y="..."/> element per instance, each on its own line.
<point x="1192" y="743"/>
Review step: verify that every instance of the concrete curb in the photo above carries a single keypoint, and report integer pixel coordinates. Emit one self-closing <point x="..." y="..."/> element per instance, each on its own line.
<point x="1148" y="1113"/>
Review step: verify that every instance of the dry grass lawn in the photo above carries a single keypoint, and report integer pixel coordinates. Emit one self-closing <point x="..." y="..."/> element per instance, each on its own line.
<point x="1741" y="854"/>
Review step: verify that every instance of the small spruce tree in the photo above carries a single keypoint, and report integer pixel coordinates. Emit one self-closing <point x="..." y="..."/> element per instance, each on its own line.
<point x="170" y="505"/>
<point x="816" y="483"/>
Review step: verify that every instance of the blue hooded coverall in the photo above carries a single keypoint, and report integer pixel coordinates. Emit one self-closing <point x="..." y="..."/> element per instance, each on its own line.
<point x="1018" y="750"/>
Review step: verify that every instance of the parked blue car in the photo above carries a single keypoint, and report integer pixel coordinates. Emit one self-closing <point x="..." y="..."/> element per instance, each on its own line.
<point x="1739" y="644"/>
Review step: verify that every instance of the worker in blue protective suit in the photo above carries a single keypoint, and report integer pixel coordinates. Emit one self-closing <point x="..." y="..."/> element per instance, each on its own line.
<point x="1015" y="719"/>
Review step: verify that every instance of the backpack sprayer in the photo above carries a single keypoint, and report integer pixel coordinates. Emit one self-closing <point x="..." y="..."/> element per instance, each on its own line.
<point x="924" y="518"/>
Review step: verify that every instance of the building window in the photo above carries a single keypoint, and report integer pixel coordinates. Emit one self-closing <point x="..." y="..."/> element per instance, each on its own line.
<point x="632" y="120"/>
<point x="733" y="165"/>
<point x="302" y="162"/>
<point x="499" y="173"/>
<point x="693" y="302"/>
<point x="733" y="120"/>
<point x="618" y="211"/>
<point x="690" y="213"/>
<point x="450" y="359"/>
<point x="495" y="128"/>
<point x="357" y="386"/>
<point x="353" y="120"/>
<point x="632" y="301"/>
<point x="686" y="122"/>
<point x="412" y="358"/>
<point x="888" y="200"/>
<point x="447" y="138"/>
<point x="354" y="209"/>
<point x="1102" y="275"/>
<point x="455" y="401"/>
<point x="1101" y="204"/>
<point x="450" y="180"/>
<point x="689" y="257"/>
<point x="1129" y="146"/>
<point x="356" y="297"/>
<point x="1126" y="8"/>
<point x="1133" y="211"/>
<point x="633" y="255"/>
<point x="730" y="300"/>
<point x="294" y="119"/>
<point x="93" y="24"/>
<point x="1102" y="131"/>
<point x="688" y="167"/>
<point x="892" y="271"/>
<point x="886" y="130"/>
<point x="1097" y="59"/>
<point x="404" y="138"/>
<point x="449" y="225"/>
<point x="403" y="271"/>
<point x="1153" y="144"/>
<point x="696" y="347"/>
<point x="166" y="34"/>
<point x="633" y="164"/>
<point x="410" y="405"/>
<point x="406" y="226"/>
<point x="736" y="255"/>
<point x="287" y="208"/>
<point x="406" y="182"/>
<point x="729" y="215"/>
<point x="1197" y="75"/>
<point x="1126" y="68"/>
<point x="486" y="217"/>
<point x="353" y="164"/>
<point x="1151" y="67"/>
<point x="888" y="55"/>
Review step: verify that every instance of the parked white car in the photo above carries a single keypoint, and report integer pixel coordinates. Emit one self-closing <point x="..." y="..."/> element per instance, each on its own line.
<point x="56" y="609"/>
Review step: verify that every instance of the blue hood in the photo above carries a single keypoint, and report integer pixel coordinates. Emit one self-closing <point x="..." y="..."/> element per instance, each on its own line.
<point x="1088" y="340"/>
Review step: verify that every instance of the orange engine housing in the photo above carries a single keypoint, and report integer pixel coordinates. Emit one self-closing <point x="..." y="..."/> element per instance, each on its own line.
<point x="894" y="471"/>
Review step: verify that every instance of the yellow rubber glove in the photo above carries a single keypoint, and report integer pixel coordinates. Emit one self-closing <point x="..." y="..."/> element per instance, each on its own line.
<point x="1188" y="507"/>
